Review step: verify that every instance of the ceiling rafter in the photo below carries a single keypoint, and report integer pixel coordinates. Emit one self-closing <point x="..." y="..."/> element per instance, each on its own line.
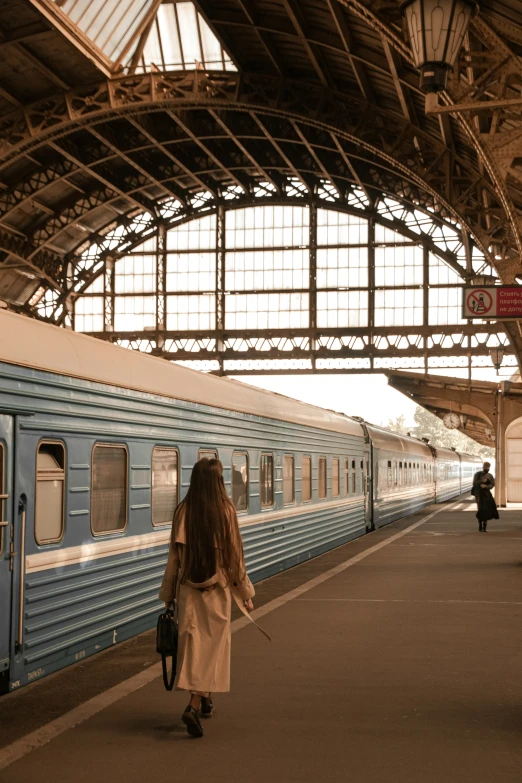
<point x="346" y="37"/>
<point x="407" y="106"/>
<point x="207" y="151"/>
<point x="313" y="154"/>
<point x="47" y="266"/>
<point x="280" y="151"/>
<point x="296" y="17"/>
<point x="14" y="197"/>
<point x="140" y="124"/>
<point x="48" y="72"/>
<point x="222" y="123"/>
<point x="271" y="50"/>
<point x="71" y="153"/>
<point x="108" y="139"/>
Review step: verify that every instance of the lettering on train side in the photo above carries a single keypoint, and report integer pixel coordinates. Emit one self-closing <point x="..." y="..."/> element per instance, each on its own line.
<point x="35" y="674"/>
<point x="114" y="635"/>
<point x="15" y="685"/>
<point x="79" y="655"/>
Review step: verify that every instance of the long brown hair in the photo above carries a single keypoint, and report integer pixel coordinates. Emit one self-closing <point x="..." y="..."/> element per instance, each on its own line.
<point x="210" y="525"/>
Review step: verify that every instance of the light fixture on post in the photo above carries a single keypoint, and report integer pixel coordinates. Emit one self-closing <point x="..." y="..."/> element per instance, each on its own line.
<point x="437" y="29"/>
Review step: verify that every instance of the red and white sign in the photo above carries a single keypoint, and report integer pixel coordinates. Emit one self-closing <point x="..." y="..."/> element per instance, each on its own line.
<point x="499" y="301"/>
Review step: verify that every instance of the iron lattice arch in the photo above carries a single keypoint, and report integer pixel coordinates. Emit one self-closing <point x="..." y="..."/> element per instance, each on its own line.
<point x="300" y="285"/>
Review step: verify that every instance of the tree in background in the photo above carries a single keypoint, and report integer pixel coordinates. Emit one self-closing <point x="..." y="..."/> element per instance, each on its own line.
<point x="427" y="425"/>
<point x="399" y="425"/>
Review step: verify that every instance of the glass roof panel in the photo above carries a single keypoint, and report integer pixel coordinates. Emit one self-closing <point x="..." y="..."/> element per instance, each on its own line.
<point x="110" y="26"/>
<point x="189" y="31"/>
<point x="171" y="44"/>
<point x="181" y="39"/>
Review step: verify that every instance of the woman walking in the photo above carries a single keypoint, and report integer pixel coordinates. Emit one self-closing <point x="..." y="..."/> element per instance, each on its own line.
<point x="205" y="569"/>
<point x="483" y="483"/>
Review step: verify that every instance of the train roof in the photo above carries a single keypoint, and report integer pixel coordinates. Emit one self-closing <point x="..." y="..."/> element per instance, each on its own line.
<point x="386" y="439"/>
<point x="30" y="343"/>
<point x="464" y="457"/>
<point x="443" y="453"/>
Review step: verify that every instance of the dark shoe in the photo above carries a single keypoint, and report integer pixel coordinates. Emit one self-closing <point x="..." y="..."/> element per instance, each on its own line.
<point x="480" y="528"/>
<point x="191" y="720"/>
<point x="207" y="707"/>
<point x="485" y="528"/>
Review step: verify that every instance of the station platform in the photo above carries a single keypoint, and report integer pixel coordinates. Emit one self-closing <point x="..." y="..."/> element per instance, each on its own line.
<point x="395" y="658"/>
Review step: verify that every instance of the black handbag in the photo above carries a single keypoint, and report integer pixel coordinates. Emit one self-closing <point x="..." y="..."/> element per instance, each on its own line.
<point x="167" y="645"/>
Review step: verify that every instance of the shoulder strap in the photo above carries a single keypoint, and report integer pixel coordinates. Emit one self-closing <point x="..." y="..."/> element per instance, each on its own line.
<point x="241" y="606"/>
<point x="169" y="684"/>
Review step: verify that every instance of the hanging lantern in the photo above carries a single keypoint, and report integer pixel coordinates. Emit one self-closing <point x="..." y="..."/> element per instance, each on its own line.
<point x="437" y="29"/>
<point x="496" y="354"/>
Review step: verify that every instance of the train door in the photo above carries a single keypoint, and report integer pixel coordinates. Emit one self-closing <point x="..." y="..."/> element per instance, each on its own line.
<point x="367" y="489"/>
<point x="6" y="540"/>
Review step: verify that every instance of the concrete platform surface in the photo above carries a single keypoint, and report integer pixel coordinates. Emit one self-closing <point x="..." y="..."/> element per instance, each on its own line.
<point x="404" y="666"/>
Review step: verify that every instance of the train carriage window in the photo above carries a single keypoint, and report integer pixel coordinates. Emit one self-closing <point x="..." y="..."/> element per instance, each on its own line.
<point x="109" y="488"/>
<point x="50" y="489"/>
<point x="266" y="480"/>
<point x="346" y="476"/>
<point x="410" y="474"/>
<point x="322" y="477"/>
<point x="207" y="454"/>
<point x="164" y="484"/>
<point x="240" y="480"/>
<point x="363" y="476"/>
<point x="394" y="472"/>
<point x="335" y="477"/>
<point x="288" y="480"/>
<point x="400" y="474"/>
<point x="354" y="478"/>
<point x="390" y="477"/>
<point x="306" y="480"/>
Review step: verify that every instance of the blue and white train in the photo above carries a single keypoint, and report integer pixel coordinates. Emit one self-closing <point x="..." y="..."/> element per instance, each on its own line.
<point x="97" y="444"/>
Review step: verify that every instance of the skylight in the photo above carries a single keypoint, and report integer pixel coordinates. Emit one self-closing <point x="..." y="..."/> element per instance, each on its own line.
<point x="111" y="26"/>
<point x="180" y="39"/>
<point x="144" y="35"/>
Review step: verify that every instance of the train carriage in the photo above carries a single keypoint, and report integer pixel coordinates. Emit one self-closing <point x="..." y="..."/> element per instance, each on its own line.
<point x="447" y="474"/>
<point x="469" y="465"/>
<point x="403" y="470"/>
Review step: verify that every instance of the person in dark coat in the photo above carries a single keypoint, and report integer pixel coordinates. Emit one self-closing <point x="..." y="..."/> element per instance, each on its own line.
<point x="483" y="483"/>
